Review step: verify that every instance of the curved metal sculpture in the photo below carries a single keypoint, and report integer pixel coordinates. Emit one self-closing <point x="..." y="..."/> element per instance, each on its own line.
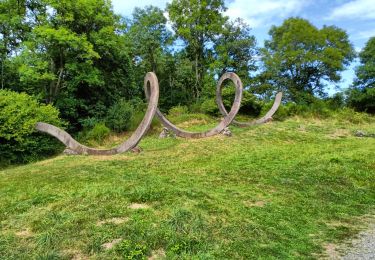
<point x="228" y="118"/>
<point x="151" y="86"/>
<point x="266" y="118"/>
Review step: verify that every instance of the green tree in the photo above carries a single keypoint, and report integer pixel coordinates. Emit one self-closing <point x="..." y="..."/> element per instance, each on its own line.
<point x="149" y="37"/>
<point x="235" y="49"/>
<point x="300" y="58"/>
<point x="13" y="30"/>
<point x="197" y="23"/>
<point x="75" y="57"/>
<point x="362" y="93"/>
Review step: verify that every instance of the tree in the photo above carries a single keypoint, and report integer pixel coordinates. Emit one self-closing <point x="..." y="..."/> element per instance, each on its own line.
<point x="75" y="57"/>
<point x="197" y="23"/>
<point x="13" y="30"/>
<point x="300" y="58"/>
<point x="362" y="93"/>
<point x="149" y="37"/>
<point x="235" y="49"/>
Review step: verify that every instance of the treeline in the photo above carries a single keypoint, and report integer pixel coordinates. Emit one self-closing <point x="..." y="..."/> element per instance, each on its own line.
<point x="90" y="63"/>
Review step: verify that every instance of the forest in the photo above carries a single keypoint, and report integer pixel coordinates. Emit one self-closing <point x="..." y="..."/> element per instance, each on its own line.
<point x="81" y="66"/>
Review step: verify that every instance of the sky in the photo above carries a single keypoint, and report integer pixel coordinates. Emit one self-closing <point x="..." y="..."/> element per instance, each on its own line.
<point x="356" y="17"/>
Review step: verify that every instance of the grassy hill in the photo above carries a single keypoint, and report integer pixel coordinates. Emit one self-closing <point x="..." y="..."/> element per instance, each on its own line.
<point x="280" y="190"/>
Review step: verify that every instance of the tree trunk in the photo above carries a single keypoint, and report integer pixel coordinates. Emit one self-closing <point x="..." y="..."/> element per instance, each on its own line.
<point x="196" y="94"/>
<point x="2" y="73"/>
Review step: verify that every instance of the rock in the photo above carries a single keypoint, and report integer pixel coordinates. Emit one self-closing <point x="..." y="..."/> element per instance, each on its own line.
<point x="68" y="151"/>
<point x="226" y="131"/>
<point x="360" y="133"/>
<point x="136" y="149"/>
<point x="166" y="133"/>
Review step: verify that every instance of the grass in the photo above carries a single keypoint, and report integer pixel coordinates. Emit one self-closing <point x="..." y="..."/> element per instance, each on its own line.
<point x="280" y="190"/>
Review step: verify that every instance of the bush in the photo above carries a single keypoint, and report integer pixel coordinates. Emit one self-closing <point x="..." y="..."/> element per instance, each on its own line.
<point x="98" y="133"/>
<point x="250" y="105"/>
<point x="362" y="99"/>
<point x="19" y="141"/>
<point x="178" y="110"/>
<point x="209" y="106"/>
<point x="120" y="116"/>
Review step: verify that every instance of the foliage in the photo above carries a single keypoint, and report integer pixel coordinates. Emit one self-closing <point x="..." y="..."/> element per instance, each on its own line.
<point x="19" y="141"/>
<point x="98" y="133"/>
<point x="178" y="110"/>
<point x="197" y="23"/>
<point x="362" y="95"/>
<point x="209" y="107"/>
<point x="235" y="49"/>
<point x="120" y="116"/>
<point x="73" y="56"/>
<point x="299" y="58"/>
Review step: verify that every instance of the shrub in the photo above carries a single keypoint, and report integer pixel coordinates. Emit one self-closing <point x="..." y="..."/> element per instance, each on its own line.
<point x="19" y="141"/>
<point x="98" y="133"/>
<point x="250" y="105"/>
<point x="119" y="116"/>
<point x="362" y="99"/>
<point x="178" y="110"/>
<point x="209" y="106"/>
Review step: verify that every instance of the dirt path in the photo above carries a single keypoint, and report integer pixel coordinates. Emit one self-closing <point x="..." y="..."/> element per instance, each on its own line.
<point x="363" y="247"/>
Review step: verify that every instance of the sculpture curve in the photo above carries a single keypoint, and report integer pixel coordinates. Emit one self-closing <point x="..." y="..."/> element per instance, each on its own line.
<point x="266" y="118"/>
<point x="152" y="94"/>
<point x="228" y="118"/>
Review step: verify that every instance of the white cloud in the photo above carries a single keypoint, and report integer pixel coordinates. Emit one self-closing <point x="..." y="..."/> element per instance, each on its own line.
<point x="365" y="34"/>
<point x="357" y="9"/>
<point x="126" y="7"/>
<point x="260" y="13"/>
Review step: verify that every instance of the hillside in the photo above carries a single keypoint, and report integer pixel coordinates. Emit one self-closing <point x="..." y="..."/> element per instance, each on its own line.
<point x="280" y="190"/>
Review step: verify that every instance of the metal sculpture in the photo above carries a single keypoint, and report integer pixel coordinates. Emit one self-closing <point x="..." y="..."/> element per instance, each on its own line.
<point x="266" y="118"/>
<point x="151" y="87"/>
<point x="228" y="118"/>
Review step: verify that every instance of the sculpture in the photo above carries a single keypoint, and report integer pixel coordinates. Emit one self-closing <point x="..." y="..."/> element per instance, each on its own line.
<point x="266" y="118"/>
<point x="151" y="86"/>
<point x="228" y="118"/>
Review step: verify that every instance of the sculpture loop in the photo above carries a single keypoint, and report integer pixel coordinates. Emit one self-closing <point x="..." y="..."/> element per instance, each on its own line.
<point x="228" y="118"/>
<point x="151" y="87"/>
<point x="266" y="118"/>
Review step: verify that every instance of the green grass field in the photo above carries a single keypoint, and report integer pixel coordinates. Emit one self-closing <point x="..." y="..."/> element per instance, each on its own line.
<point x="280" y="190"/>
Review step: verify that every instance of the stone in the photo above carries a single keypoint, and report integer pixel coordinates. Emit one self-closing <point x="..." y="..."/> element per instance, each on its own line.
<point x="164" y="133"/>
<point x="360" y="133"/>
<point x="136" y="149"/>
<point x="226" y="131"/>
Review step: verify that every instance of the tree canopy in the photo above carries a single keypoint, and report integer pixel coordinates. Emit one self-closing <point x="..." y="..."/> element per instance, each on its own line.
<point x="362" y="93"/>
<point x="300" y="59"/>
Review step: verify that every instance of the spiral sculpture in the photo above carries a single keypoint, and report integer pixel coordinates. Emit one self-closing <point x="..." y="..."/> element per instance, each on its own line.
<point x="266" y="118"/>
<point x="228" y="118"/>
<point x="151" y="86"/>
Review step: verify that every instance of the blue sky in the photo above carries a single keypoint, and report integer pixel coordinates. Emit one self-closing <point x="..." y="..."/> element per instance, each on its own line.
<point x="357" y="17"/>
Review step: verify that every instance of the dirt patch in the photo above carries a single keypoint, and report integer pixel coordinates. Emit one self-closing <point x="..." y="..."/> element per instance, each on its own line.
<point x="75" y="254"/>
<point x="339" y="133"/>
<point x="115" y="221"/>
<point x="138" y="206"/>
<point x="259" y="203"/>
<point x="331" y="251"/>
<point x="26" y="233"/>
<point x="193" y="122"/>
<point x="111" y="244"/>
<point x="157" y="254"/>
